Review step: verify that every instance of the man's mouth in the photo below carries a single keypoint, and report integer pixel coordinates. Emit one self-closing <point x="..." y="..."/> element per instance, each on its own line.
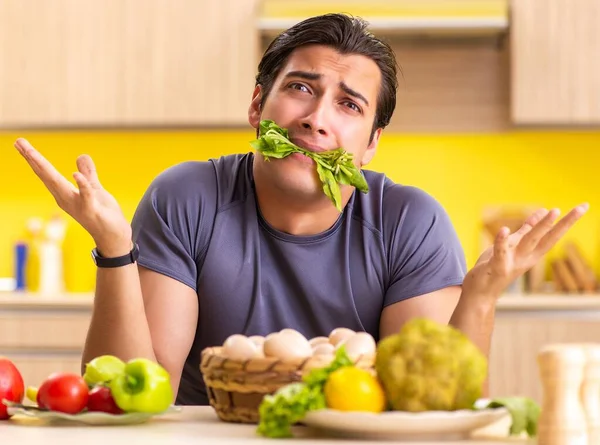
<point x="307" y="145"/>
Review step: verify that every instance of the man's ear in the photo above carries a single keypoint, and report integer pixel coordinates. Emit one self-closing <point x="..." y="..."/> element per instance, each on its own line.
<point x="254" y="108"/>
<point x="371" y="149"/>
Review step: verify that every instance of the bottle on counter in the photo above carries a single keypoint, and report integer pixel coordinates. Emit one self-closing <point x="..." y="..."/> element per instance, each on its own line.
<point x="34" y="230"/>
<point x="21" y="250"/>
<point x="52" y="281"/>
<point x="563" y="419"/>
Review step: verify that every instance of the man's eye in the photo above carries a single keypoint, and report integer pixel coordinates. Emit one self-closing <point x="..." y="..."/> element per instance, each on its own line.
<point x="353" y="106"/>
<point x="299" y="86"/>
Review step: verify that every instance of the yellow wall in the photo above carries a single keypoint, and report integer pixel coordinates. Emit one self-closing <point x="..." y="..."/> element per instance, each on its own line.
<point x="465" y="172"/>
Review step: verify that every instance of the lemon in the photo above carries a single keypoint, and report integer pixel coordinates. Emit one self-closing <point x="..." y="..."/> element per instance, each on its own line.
<point x="31" y="393"/>
<point x="354" y="389"/>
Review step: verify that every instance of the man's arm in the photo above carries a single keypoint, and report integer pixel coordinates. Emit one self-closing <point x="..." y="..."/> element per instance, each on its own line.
<point x="136" y="312"/>
<point x="472" y="316"/>
<point x="134" y="316"/>
<point x="437" y="306"/>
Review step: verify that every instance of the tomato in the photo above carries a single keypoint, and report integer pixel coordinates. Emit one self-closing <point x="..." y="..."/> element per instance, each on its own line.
<point x="64" y="392"/>
<point x="102" y="400"/>
<point x="12" y="387"/>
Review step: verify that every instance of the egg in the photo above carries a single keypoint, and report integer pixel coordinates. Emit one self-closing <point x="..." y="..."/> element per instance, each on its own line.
<point x="340" y="334"/>
<point x="287" y="345"/>
<point x="293" y="333"/>
<point x="239" y="347"/>
<point x="361" y="343"/>
<point x="258" y="340"/>
<point x="323" y="349"/>
<point x="318" y="340"/>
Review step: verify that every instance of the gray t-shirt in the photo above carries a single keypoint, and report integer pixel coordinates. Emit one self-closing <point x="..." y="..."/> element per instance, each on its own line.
<point x="199" y="223"/>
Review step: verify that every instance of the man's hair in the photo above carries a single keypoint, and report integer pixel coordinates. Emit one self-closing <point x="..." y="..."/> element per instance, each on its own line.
<point x="345" y="34"/>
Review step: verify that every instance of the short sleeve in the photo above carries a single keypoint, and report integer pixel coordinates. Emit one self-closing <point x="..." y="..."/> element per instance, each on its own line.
<point x="173" y="220"/>
<point x="424" y="252"/>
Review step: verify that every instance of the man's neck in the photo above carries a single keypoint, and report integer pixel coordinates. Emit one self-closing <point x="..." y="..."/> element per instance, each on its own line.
<point x="298" y="222"/>
<point x="298" y="218"/>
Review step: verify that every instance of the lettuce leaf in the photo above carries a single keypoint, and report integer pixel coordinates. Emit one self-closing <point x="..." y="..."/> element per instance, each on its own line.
<point x="334" y="167"/>
<point x="524" y="412"/>
<point x="288" y="405"/>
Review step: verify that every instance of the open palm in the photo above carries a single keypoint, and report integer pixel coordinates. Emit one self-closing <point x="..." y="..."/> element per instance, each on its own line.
<point x="89" y="203"/>
<point x="514" y="254"/>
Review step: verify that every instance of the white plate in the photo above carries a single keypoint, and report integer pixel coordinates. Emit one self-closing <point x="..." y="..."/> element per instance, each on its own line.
<point x="88" y="418"/>
<point x="399" y="425"/>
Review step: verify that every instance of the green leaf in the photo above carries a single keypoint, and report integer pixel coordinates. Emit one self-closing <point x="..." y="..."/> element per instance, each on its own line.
<point x="332" y="189"/>
<point x="524" y="412"/>
<point x="289" y="404"/>
<point x="273" y="142"/>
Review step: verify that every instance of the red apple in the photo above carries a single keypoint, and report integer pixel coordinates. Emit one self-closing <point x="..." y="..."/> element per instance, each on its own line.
<point x="12" y="387"/>
<point x="102" y="400"/>
<point x="63" y="391"/>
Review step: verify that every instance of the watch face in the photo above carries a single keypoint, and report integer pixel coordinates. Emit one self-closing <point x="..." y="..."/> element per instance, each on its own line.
<point x="94" y="257"/>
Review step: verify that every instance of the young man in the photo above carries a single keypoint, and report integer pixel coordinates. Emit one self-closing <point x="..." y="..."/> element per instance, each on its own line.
<point x="241" y="245"/>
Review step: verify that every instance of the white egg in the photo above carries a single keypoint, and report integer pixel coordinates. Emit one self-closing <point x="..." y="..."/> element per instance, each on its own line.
<point x="323" y="349"/>
<point x="287" y="346"/>
<point x="361" y="343"/>
<point x="239" y="347"/>
<point x="292" y="332"/>
<point x="318" y="340"/>
<point x="258" y="340"/>
<point x="340" y="334"/>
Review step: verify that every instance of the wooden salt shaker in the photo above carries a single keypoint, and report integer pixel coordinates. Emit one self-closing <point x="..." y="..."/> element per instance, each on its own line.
<point x="562" y="419"/>
<point x="590" y="392"/>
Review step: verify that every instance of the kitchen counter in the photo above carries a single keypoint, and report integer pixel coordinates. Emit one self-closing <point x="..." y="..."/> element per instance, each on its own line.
<point x="46" y="334"/>
<point x="195" y="425"/>
<point x="84" y="301"/>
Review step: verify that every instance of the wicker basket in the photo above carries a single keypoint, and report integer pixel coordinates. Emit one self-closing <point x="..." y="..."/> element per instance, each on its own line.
<point x="236" y="389"/>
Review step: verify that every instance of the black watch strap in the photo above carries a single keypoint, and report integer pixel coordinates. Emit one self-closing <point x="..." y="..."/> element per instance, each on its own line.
<point x="124" y="260"/>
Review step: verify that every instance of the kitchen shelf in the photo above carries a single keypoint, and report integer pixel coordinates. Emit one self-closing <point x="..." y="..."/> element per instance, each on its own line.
<point x="397" y="17"/>
<point x="27" y="300"/>
<point x="406" y="25"/>
<point x="526" y="302"/>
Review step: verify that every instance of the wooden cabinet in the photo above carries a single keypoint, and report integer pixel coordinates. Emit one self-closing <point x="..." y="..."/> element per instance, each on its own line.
<point x="126" y="62"/>
<point x="518" y="337"/>
<point x="41" y="336"/>
<point x="555" y="61"/>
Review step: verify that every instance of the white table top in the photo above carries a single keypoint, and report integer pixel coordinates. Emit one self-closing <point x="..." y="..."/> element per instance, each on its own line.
<point x="193" y="425"/>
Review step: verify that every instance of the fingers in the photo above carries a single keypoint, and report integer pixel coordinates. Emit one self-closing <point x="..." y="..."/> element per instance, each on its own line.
<point x="501" y="244"/>
<point x="561" y="227"/>
<point x="530" y="240"/>
<point x="86" y="166"/>
<point x="531" y="221"/>
<point x="86" y="190"/>
<point x="52" y="179"/>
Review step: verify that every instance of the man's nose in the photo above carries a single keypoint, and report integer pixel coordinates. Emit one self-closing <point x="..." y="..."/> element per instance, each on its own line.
<point x="316" y="121"/>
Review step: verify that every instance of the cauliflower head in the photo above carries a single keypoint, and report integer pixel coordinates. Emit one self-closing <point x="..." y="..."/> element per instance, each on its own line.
<point x="430" y="366"/>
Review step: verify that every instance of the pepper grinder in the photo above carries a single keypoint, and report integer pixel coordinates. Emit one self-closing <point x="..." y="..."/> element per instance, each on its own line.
<point x="562" y="419"/>
<point x="590" y="392"/>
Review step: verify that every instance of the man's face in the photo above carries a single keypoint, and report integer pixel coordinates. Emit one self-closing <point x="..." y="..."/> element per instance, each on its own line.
<point x="326" y="100"/>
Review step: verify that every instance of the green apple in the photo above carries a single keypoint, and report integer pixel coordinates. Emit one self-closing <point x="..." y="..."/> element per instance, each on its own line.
<point x="144" y="386"/>
<point x="103" y="369"/>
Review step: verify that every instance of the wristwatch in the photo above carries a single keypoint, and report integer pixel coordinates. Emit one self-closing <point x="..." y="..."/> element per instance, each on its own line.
<point x="119" y="261"/>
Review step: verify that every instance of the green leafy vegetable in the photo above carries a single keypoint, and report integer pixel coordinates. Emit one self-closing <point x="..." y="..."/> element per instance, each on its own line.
<point x="524" y="412"/>
<point x="279" y="411"/>
<point x="333" y="166"/>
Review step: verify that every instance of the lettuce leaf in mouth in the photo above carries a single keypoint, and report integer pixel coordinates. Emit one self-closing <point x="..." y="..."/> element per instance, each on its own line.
<point x="334" y="167"/>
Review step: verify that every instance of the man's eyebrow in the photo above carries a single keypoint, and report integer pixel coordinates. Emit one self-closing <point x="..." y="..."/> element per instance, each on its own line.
<point x="316" y="76"/>
<point x="304" y="75"/>
<point x="349" y="91"/>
